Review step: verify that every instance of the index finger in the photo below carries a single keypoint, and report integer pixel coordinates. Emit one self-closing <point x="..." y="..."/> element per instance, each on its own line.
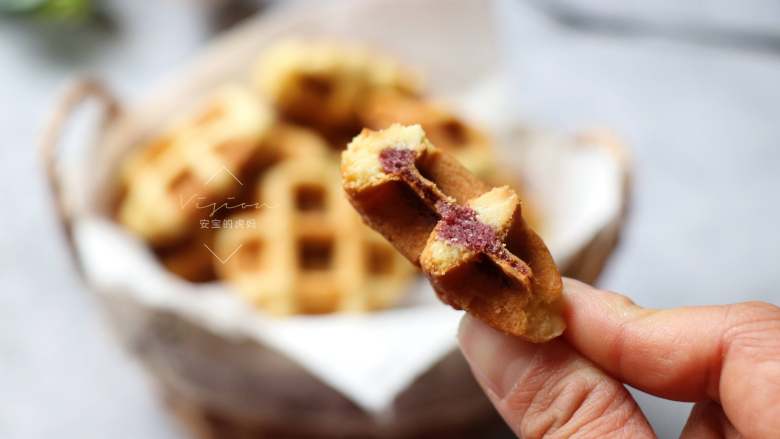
<point x="727" y="353"/>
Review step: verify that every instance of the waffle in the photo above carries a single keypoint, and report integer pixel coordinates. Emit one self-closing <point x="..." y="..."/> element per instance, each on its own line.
<point x="469" y="145"/>
<point x="307" y="251"/>
<point x="285" y="141"/>
<point x="190" y="259"/>
<point x="470" y="240"/>
<point x="197" y="161"/>
<point x="322" y="84"/>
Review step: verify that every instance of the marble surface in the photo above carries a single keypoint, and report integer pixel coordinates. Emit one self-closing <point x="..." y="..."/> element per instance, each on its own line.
<point x="702" y="118"/>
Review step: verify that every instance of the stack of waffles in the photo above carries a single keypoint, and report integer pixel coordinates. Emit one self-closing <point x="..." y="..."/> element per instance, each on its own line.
<point x="245" y="187"/>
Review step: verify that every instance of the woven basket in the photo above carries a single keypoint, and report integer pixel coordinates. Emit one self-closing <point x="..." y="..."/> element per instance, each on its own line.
<point x="218" y="386"/>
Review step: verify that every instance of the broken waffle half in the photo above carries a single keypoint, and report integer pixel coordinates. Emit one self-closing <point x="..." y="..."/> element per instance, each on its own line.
<point x="470" y="240"/>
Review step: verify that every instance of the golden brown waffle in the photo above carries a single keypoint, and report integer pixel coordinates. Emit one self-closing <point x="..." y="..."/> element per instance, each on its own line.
<point x="322" y="84"/>
<point x="190" y="259"/>
<point x="470" y="240"/>
<point x="305" y="250"/>
<point x="198" y="161"/>
<point x="468" y="144"/>
<point x="281" y="142"/>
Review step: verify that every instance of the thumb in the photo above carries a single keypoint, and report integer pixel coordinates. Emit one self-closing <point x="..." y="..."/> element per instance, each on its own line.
<point x="726" y="353"/>
<point x="548" y="389"/>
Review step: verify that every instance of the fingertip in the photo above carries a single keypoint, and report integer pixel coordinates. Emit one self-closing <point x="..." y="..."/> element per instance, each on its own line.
<point x="574" y="286"/>
<point x="578" y="292"/>
<point x="465" y="329"/>
<point x="577" y="295"/>
<point x="584" y="303"/>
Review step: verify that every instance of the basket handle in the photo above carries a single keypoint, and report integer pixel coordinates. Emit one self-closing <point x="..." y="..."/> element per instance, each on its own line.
<point x="74" y="96"/>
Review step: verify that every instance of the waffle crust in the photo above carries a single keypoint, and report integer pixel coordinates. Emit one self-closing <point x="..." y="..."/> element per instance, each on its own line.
<point x="469" y="239"/>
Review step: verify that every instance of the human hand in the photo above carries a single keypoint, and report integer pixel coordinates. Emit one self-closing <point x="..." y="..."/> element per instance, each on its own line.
<point x="724" y="358"/>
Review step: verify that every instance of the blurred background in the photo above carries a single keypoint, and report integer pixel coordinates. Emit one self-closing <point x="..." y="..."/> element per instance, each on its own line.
<point x="692" y="87"/>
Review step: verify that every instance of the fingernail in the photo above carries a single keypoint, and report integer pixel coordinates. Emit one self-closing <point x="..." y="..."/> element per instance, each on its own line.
<point x="498" y="361"/>
<point x="583" y="298"/>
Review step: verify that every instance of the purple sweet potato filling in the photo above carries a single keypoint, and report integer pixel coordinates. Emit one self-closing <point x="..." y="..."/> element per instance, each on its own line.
<point x="396" y="160"/>
<point x="458" y="224"/>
